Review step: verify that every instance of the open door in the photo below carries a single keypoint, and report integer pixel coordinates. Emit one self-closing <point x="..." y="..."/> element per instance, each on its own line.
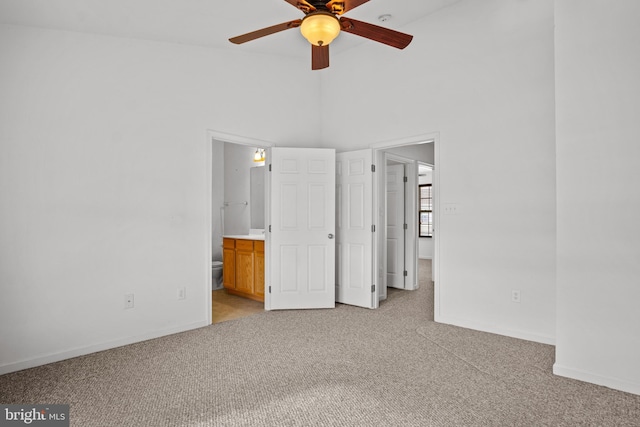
<point x="396" y="271"/>
<point x="300" y="229"/>
<point x="354" y="229"/>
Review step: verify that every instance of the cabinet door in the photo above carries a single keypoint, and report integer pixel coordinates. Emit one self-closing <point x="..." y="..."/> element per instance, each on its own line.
<point x="259" y="269"/>
<point x="244" y="266"/>
<point x="229" y="264"/>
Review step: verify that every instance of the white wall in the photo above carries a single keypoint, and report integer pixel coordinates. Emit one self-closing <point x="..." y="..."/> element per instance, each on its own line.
<point x="238" y="159"/>
<point x="217" y="199"/>
<point x="481" y="74"/>
<point x="598" y="134"/>
<point x="105" y="181"/>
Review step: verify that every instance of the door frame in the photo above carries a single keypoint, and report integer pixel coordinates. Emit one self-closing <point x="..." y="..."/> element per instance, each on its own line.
<point x="214" y="137"/>
<point x="379" y="150"/>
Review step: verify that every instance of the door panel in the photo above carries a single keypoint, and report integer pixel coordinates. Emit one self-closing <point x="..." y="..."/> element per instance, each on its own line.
<point x="392" y="257"/>
<point x="395" y="226"/>
<point x="354" y="218"/>
<point x="317" y="273"/>
<point x="244" y="270"/>
<point x="259" y="270"/>
<point x="302" y="220"/>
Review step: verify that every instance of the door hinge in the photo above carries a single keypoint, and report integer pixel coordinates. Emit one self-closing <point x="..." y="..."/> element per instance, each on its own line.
<point x="269" y="228"/>
<point x="406" y="226"/>
<point x="373" y="168"/>
<point x="373" y="228"/>
<point x="269" y="289"/>
<point x="405" y="273"/>
<point x="373" y="288"/>
<point x="269" y="167"/>
<point x="405" y="179"/>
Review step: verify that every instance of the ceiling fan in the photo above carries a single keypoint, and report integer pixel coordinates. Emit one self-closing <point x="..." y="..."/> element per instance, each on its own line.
<point x="321" y="25"/>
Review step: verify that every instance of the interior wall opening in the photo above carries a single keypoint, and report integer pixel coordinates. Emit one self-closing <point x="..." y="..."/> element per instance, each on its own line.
<point x="237" y="210"/>
<point x="412" y="154"/>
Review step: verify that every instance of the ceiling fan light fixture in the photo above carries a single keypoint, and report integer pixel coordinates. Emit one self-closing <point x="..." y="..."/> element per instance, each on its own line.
<point x="320" y="28"/>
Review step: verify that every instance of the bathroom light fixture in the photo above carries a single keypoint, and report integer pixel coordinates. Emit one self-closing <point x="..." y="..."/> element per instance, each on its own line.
<point x="320" y="28"/>
<point x="258" y="155"/>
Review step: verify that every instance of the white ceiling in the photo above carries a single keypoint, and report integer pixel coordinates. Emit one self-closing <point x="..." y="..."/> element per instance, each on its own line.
<point x="204" y="22"/>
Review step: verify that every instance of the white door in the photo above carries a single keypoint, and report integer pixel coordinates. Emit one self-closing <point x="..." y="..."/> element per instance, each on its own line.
<point x="395" y="226"/>
<point x="301" y="214"/>
<point x="354" y="220"/>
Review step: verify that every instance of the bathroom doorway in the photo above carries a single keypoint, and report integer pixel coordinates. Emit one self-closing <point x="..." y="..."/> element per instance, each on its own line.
<point x="234" y="210"/>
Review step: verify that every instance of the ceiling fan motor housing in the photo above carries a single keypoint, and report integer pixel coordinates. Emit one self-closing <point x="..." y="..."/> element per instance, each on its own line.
<point x="334" y="6"/>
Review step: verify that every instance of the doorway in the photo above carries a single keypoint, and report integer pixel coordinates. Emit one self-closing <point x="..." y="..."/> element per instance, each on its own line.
<point x="407" y="152"/>
<point x="237" y="209"/>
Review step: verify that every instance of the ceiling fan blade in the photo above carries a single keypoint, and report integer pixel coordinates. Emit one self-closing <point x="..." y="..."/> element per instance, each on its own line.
<point x="341" y="6"/>
<point x="373" y="32"/>
<point x="303" y="5"/>
<point x="319" y="57"/>
<point x="265" y="32"/>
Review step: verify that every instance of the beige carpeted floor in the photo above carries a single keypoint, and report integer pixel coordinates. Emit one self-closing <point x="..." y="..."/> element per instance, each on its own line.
<point x="342" y="367"/>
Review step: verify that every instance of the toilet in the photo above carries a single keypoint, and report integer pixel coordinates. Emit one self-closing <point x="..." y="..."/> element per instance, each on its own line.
<point x="216" y="271"/>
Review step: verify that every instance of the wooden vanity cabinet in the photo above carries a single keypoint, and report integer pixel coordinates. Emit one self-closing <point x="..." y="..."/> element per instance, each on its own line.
<point x="244" y="266"/>
<point x="229" y="263"/>
<point x="243" y="274"/>
<point x="259" y="269"/>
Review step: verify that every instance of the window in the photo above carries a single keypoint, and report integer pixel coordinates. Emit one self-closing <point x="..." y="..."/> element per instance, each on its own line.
<point x="425" y="217"/>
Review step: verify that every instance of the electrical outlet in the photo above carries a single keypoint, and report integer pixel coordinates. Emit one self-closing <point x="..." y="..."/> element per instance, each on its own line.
<point x="128" y="301"/>
<point x="182" y="293"/>
<point x="515" y="296"/>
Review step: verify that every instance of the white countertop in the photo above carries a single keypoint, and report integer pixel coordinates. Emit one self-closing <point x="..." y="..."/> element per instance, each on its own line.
<point x="245" y="236"/>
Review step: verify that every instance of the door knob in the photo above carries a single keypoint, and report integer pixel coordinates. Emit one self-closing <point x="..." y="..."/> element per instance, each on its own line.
<point x="331" y="236"/>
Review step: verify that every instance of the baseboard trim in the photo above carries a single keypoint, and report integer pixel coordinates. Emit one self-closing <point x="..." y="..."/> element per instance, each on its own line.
<point x="523" y="335"/>
<point x="614" y="383"/>
<point x="81" y="351"/>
